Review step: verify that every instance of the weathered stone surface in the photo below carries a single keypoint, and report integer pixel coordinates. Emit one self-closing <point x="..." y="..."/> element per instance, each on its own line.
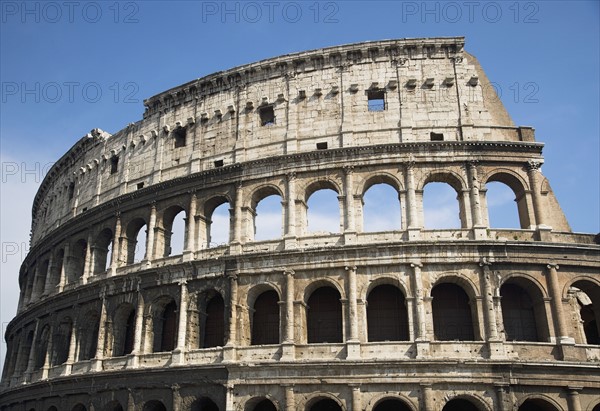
<point x="432" y="319"/>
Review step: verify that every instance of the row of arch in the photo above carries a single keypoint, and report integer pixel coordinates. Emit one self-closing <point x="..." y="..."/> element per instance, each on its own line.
<point x="135" y="327"/>
<point x="332" y="403"/>
<point x="144" y="235"/>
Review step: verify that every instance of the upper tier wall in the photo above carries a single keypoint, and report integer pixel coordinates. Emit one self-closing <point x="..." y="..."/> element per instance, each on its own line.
<point x="317" y="99"/>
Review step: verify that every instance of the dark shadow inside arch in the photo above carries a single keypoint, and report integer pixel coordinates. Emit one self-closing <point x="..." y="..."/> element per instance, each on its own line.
<point x="265" y="319"/>
<point x="452" y="318"/>
<point x="204" y="404"/>
<point x="518" y="314"/>
<point x="537" y="405"/>
<point x="392" y="405"/>
<point x="325" y="404"/>
<point x="264" y="405"/>
<point x="587" y="295"/>
<point x="154" y="405"/>
<point x="387" y="317"/>
<point x="324" y="316"/>
<point x="213" y="323"/>
<point x="459" y="404"/>
<point x="113" y="406"/>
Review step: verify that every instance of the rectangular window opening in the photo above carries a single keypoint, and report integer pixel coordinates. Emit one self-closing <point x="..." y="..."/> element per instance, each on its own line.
<point x="179" y="134"/>
<point x="267" y="116"/>
<point x="436" y="136"/>
<point x="218" y="163"/>
<point x="321" y="146"/>
<point x="114" y="164"/>
<point x="71" y="191"/>
<point x="376" y="100"/>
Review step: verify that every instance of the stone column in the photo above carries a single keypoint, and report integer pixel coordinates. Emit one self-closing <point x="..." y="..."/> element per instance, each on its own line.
<point x="139" y="322"/>
<point x="117" y="246"/>
<point x="501" y="397"/>
<point x="422" y="340"/>
<point x="533" y="172"/>
<point x="573" y="398"/>
<point x="427" y="399"/>
<point x="413" y="225"/>
<point x="229" y="398"/>
<point x="479" y="231"/>
<point x="557" y="309"/>
<point x="289" y="306"/>
<point x="233" y="286"/>
<point x="488" y="301"/>
<point x="48" y="283"/>
<point x="237" y="219"/>
<point x="190" y="237"/>
<point x="182" y="326"/>
<point x="290" y="403"/>
<point x="149" y="256"/>
<point x="130" y="400"/>
<point x="72" y="346"/>
<point x="49" y="349"/>
<point x="350" y="224"/>
<point x="32" y="352"/>
<point x="290" y="221"/>
<point x="88" y="265"/>
<point x="176" y="397"/>
<point x="356" y="397"/>
<point x="353" y="344"/>
<point x="97" y="366"/>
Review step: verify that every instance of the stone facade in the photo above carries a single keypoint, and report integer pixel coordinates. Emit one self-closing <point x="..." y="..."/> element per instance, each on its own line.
<point x="468" y="318"/>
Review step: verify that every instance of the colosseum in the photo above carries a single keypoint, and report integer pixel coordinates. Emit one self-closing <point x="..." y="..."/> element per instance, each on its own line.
<point x="114" y="316"/>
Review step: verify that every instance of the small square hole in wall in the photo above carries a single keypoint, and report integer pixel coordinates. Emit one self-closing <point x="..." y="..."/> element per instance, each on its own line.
<point x="84" y="209"/>
<point x="321" y="146"/>
<point x="218" y="163"/>
<point x="436" y="136"/>
<point x="376" y="100"/>
<point x="267" y="116"/>
<point x="140" y="185"/>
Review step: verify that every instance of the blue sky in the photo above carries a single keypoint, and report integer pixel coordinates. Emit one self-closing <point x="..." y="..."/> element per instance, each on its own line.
<point x="66" y="69"/>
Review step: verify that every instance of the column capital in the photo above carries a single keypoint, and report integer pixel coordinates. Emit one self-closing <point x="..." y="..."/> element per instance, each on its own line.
<point x="418" y="264"/>
<point x="291" y="175"/>
<point x="289" y="271"/>
<point x="350" y="268"/>
<point x="485" y="263"/>
<point x="348" y="169"/>
<point x="574" y="389"/>
<point x="533" y="165"/>
<point x="553" y="266"/>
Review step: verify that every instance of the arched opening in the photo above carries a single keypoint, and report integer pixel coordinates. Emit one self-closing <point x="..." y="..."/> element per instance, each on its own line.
<point x="88" y="336"/>
<point x="102" y="250"/>
<point x="57" y="269"/>
<point x="165" y="326"/>
<point x="596" y="407"/>
<point x="387" y="317"/>
<point x="218" y="222"/>
<point x="264" y="405"/>
<point x="268" y="219"/>
<point x="62" y="341"/>
<point x="113" y="406"/>
<point x="381" y="208"/>
<point x="536" y="404"/>
<point x="77" y="268"/>
<point x="40" y="280"/>
<point x="324" y="316"/>
<point x="523" y="311"/>
<point x="502" y="212"/>
<point x="518" y="314"/>
<point x="326" y="404"/>
<point x="53" y="408"/>
<point x="136" y="241"/>
<point x="154" y="405"/>
<point x="323" y="212"/>
<point x="265" y="319"/>
<point x="452" y="319"/>
<point x="42" y="347"/>
<point x="204" y="404"/>
<point x="587" y="295"/>
<point x="79" y="407"/>
<point x="460" y="404"/>
<point x="123" y="330"/>
<point x="392" y="404"/>
<point x="173" y="231"/>
<point x="24" y="351"/>
<point x="214" y="323"/>
<point x="441" y="207"/>
<point x="498" y="196"/>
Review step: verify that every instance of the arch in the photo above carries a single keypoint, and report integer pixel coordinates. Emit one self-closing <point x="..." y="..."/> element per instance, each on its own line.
<point x="380" y="178"/>
<point x="387" y="315"/>
<point x="526" y="319"/>
<point x="266" y="204"/>
<point x="52" y="408"/>
<point x="88" y="335"/>
<point x="57" y="269"/>
<point x="204" y="404"/>
<point x="212" y="320"/>
<point x="381" y="207"/>
<point x="322" y="208"/>
<point x="40" y="280"/>
<point x="172" y="220"/>
<point x="321" y="184"/>
<point x="587" y="294"/>
<point x="452" y="316"/>
<point x="123" y="330"/>
<point x="324" y="402"/>
<point x="101" y="250"/>
<point x="79" y="407"/>
<point x="539" y="402"/>
<point x="164" y="324"/>
<point x="324" y="316"/>
<point x="114" y="405"/>
<point x="41" y="350"/>
<point x="218" y="226"/>
<point x="498" y="201"/>
<point x="460" y="404"/>
<point x="392" y="404"/>
<point x="402" y="401"/>
<point x="440" y="209"/>
<point x="518" y="187"/>
<point x="596" y="407"/>
<point x="135" y="252"/>
<point x="62" y="340"/>
<point x="78" y="253"/>
<point x="264" y="403"/>
<point x="154" y="405"/>
<point x="265" y="319"/>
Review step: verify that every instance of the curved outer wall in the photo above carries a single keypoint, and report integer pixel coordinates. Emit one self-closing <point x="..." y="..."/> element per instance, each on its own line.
<point x="428" y="318"/>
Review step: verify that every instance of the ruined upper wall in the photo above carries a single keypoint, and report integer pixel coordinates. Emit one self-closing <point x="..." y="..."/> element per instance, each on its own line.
<point x="420" y="90"/>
